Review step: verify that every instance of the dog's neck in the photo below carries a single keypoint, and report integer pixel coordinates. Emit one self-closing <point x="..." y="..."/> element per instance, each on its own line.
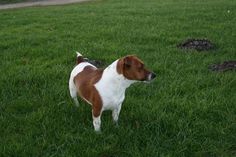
<point x="111" y="75"/>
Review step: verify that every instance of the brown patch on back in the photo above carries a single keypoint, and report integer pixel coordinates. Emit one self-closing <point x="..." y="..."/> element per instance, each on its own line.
<point x="132" y="68"/>
<point x="80" y="59"/>
<point x="84" y="82"/>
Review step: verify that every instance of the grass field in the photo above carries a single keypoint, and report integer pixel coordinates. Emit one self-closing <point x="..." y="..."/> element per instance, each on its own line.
<point x="187" y="111"/>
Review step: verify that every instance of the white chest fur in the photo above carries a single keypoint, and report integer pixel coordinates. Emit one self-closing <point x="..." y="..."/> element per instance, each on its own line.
<point x="111" y="87"/>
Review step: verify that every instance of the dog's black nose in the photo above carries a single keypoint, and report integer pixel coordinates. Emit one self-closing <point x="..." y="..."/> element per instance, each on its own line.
<point x="153" y="76"/>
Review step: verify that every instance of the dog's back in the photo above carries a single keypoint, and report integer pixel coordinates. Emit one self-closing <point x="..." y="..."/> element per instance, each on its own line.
<point x="82" y="79"/>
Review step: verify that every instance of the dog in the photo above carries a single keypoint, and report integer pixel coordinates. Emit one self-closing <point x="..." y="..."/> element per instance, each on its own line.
<point x="104" y="89"/>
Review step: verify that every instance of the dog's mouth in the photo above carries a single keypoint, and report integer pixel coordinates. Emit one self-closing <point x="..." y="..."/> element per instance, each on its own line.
<point x="150" y="78"/>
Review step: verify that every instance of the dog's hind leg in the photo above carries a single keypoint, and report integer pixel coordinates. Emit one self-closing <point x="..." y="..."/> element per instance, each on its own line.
<point x="97" y="123"/>
<point x="73" y="91"/>
<point x="97" y="112"/>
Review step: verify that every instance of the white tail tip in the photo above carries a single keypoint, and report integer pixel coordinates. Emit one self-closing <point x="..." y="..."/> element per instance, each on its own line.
<point x="78" y="54"/>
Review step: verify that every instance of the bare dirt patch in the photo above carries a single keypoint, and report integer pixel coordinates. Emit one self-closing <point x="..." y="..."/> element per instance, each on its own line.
<point x="197" y="44"/>
<point x="39" y="3"/>
<point x="227" y="65"/>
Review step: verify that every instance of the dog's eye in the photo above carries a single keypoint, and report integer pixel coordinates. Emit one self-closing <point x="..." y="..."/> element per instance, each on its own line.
<point x="140" y="68"/>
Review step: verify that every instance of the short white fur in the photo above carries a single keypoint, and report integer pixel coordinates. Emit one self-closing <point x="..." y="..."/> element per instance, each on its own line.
<point x="111" y="88"/>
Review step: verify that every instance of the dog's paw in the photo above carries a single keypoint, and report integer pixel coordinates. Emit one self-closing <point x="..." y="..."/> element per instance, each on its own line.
<point x="98" y="132"/>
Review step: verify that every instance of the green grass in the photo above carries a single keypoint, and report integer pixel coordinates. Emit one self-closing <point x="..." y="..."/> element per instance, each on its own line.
<point x="187" y="111"/>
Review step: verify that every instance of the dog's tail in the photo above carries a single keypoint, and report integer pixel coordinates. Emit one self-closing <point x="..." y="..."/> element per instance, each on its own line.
<point x="80" y="58"/>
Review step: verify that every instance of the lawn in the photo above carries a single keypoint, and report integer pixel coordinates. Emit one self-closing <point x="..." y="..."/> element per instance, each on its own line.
<point x="187" y="111"/>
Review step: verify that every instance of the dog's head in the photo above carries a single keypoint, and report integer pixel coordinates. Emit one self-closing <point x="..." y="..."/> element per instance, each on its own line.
<point x="134" y="69"/>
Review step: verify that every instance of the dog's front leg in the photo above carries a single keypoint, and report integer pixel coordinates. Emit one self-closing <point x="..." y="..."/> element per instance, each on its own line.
<point x="116" y="113"/>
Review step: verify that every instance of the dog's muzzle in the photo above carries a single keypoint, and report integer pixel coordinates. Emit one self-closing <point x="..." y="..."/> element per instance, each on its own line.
<point x="151" y="76"/>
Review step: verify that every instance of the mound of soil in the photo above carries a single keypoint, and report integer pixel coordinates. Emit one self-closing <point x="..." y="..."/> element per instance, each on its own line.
<point x="197" y="44"/>
<point x="227" y="65"/>
<point x="96" y="63"/>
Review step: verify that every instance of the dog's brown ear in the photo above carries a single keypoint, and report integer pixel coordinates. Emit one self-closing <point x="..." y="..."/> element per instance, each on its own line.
<point x="120" y="66"/>
<point x="128" y="61"/>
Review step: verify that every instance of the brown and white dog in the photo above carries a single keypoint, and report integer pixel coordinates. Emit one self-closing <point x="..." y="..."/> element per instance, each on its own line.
<point x="104" y="89"/>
